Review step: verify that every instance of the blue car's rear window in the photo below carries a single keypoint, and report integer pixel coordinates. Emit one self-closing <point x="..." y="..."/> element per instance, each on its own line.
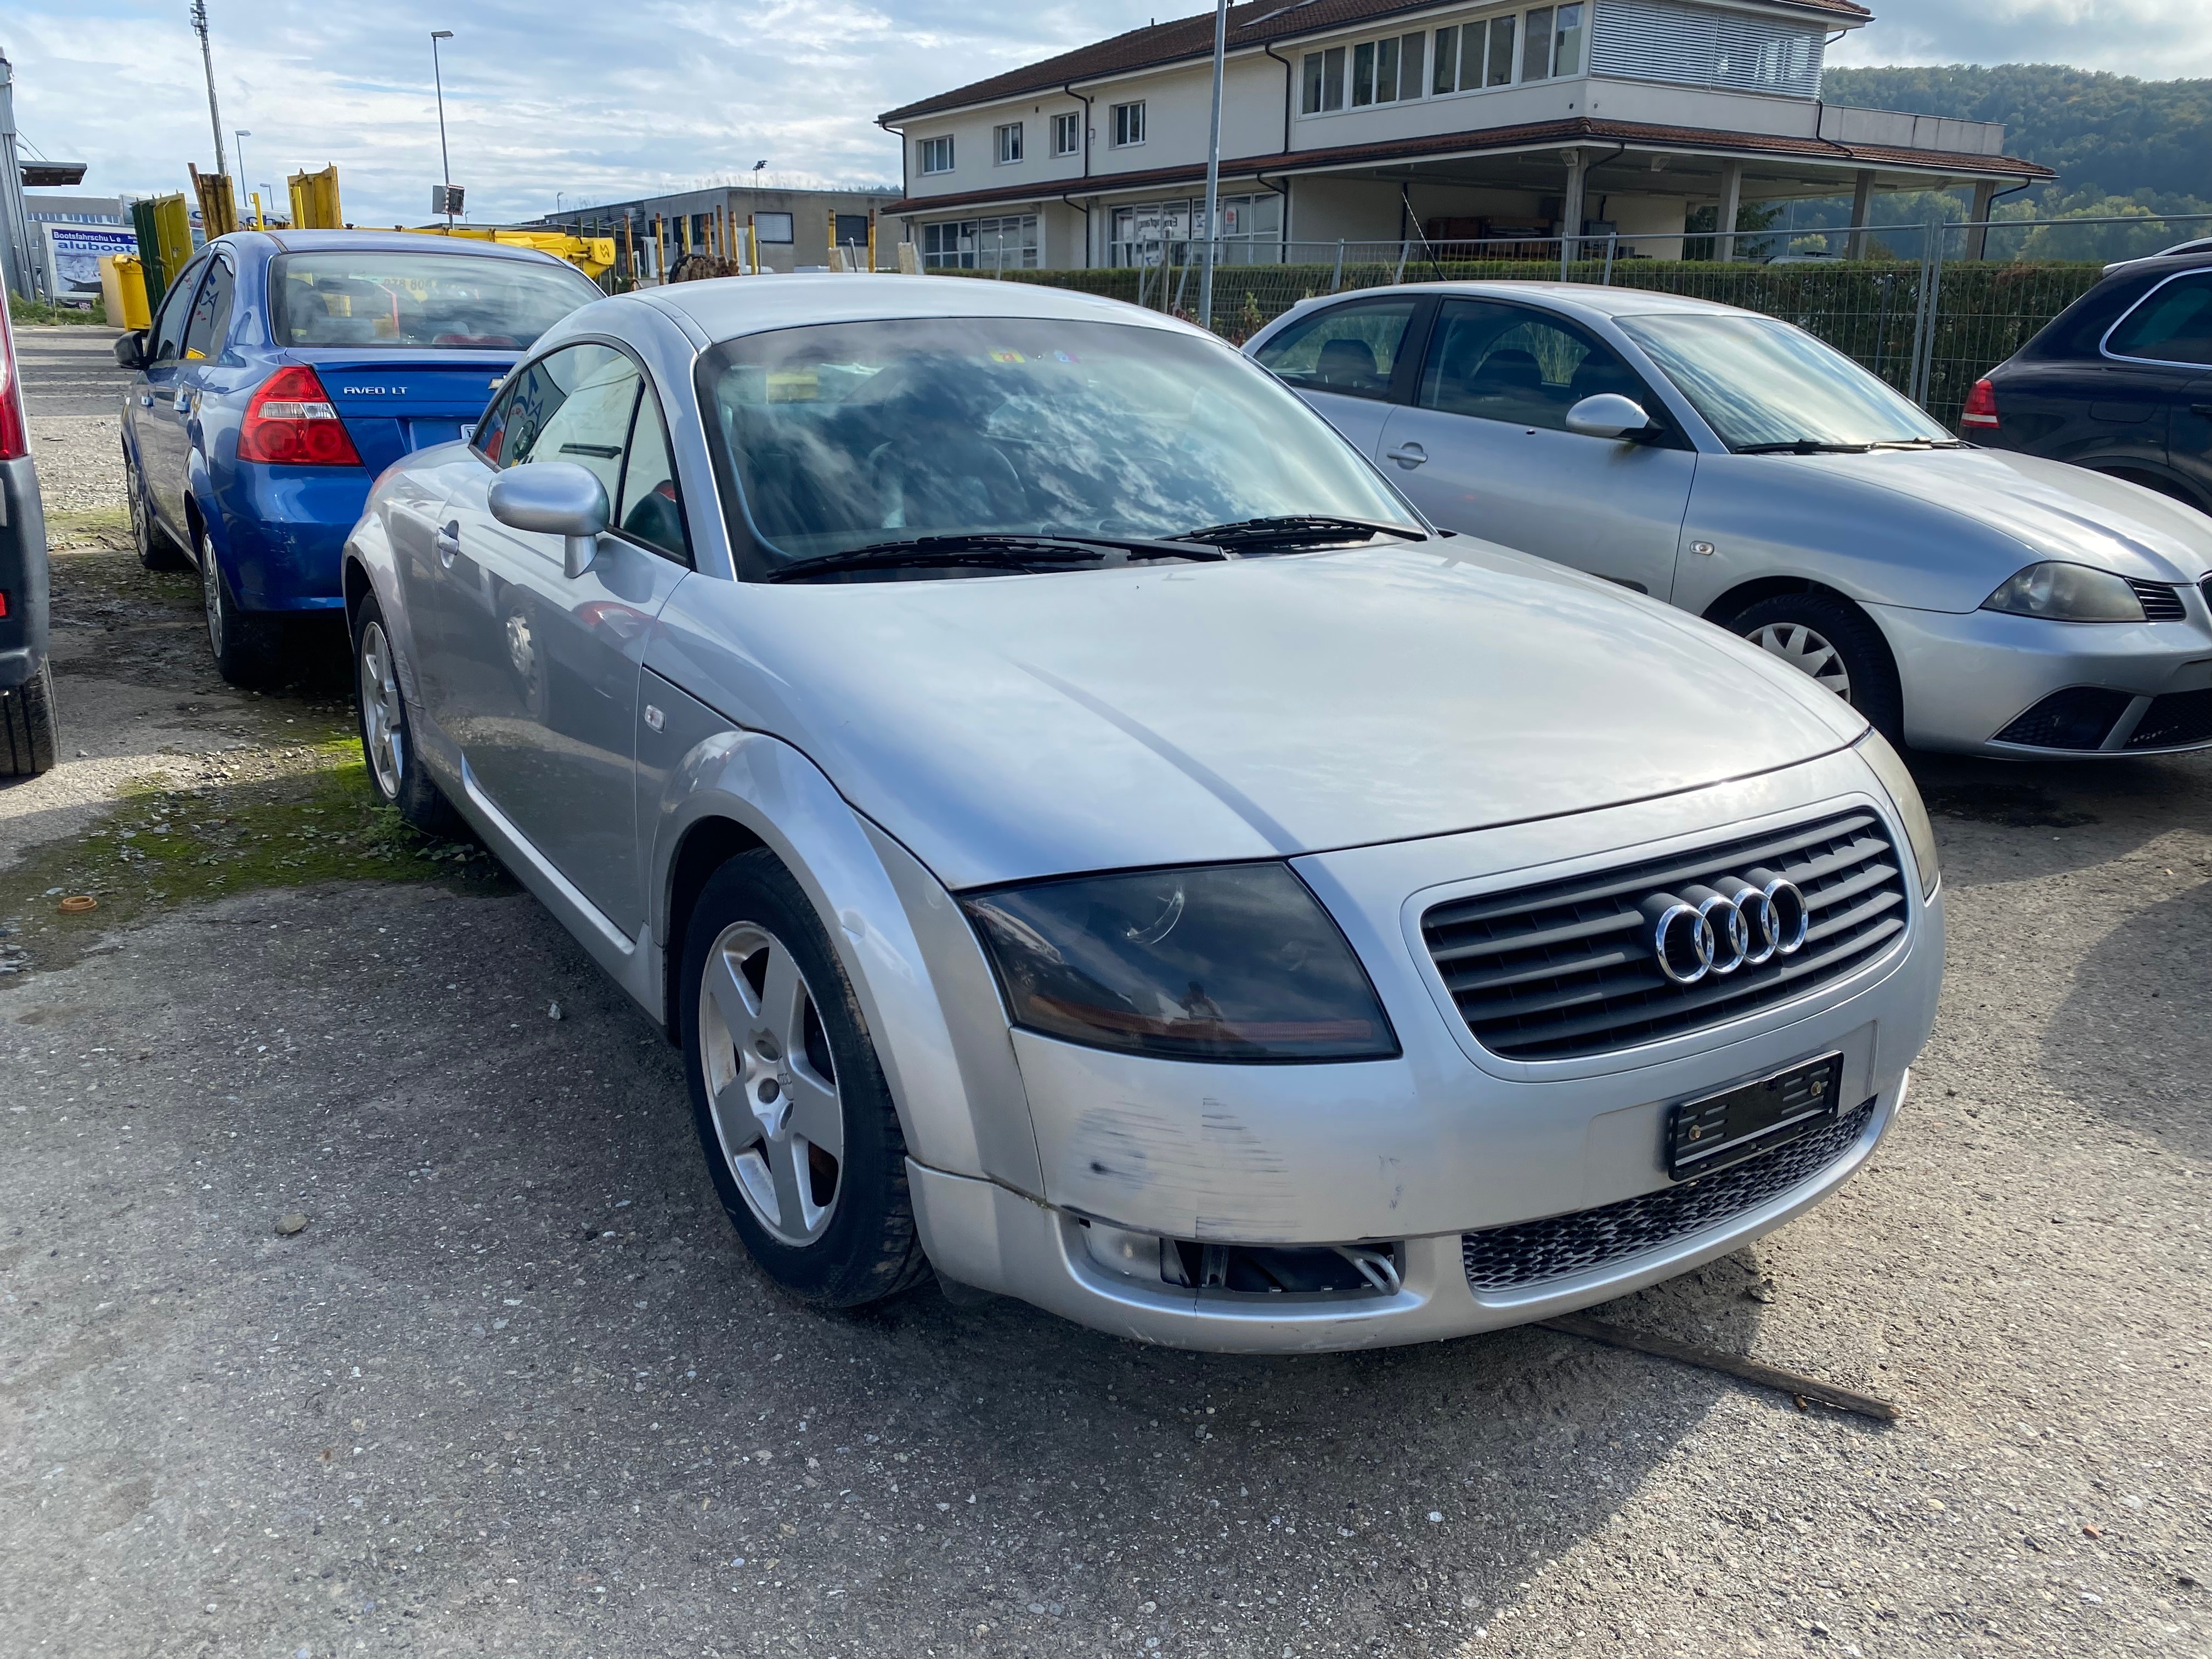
<point x="432" y="299"/>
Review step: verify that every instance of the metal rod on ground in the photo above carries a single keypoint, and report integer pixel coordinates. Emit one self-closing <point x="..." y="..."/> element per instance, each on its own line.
<point x="1790" y="1382"/>
<point x="1213" y="166"/>
<point x="1336" y="281"/>
<point x="1612" y="248"/>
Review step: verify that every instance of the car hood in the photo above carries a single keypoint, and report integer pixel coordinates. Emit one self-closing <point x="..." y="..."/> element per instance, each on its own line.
<point x="1020" y="726"/>
<point x="2048" y="508"/>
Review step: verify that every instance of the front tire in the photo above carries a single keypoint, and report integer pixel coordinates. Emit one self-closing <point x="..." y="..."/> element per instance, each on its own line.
<point x="29" y="732"/>
<point x="1837" y="645"/>
<point x="792" y="1112"/>
<point x="248" y="647"/>
<point x="396" y="771"/>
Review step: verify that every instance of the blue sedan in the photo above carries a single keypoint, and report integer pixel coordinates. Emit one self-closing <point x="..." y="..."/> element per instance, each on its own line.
<point x="284" y="370"/>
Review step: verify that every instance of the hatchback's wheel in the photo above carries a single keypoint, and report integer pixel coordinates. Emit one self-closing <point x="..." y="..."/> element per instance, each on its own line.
<point x="388" y="740"/>
<point x="248" y="648"/>
<point x="157" y="549"/>
<point x="27" y="728"/>
<point x="1836" y="643"/>
<point x="793" y="1115"/>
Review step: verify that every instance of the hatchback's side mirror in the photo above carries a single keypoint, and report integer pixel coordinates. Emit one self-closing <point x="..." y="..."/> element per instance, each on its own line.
<point x="1609" y="414"/>
<point x="131" y="350"/>
<point x="555" y="498"/>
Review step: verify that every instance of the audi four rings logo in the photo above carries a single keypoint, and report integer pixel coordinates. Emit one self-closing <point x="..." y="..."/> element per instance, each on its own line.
<point x="1741" y="923"/>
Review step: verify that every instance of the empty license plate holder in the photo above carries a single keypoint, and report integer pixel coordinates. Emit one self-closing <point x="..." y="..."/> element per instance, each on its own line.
<point x="1721" y="1130"/>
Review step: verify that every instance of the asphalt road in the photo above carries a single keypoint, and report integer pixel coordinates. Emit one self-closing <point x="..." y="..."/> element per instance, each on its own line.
<point x="515" y="1389"/>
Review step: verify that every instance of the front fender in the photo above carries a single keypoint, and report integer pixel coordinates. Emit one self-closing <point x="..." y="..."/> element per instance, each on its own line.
<point x="930" y="1006"/>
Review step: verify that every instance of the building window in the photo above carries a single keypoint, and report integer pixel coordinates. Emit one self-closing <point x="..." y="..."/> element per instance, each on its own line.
<point x="1066" y="135"/>
<point x="1471" y="56"/>
<point x="1324" y="81"/>
<point x="1128" y="124"/>
<point x="937" y="155"/>
<point x="772" y="226"/>
<point x="1553" y="46"/>
<point x="1007" y="141"/>
<point x="1007" y="243"/>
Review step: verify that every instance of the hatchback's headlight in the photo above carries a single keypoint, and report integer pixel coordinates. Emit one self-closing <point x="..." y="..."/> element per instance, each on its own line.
<point x="1223" y="963"/>
<point x="2067" y="593"/>
<point x="1889" y="766"/>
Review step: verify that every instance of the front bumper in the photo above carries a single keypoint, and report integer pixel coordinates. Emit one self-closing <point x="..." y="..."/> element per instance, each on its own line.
<point x="1407" y="1156"/>
<point x="1968" y="677"/>
<point x="23" y="574"/>
<point x="983" y="1234"/>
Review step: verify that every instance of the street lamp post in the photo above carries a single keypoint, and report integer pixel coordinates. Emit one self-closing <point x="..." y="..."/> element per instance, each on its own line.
<point x="1213" y="170"/>
<point x="238" y="137"/>
<point x="444" y="162"/>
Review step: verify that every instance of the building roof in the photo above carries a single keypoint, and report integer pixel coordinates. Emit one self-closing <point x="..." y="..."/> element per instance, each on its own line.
<point x="1534" y="135"/>
<point x="1254" y="23"/>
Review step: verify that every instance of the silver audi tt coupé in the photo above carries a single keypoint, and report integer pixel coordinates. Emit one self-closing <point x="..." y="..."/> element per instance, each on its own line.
<point x="1092" y="837"/>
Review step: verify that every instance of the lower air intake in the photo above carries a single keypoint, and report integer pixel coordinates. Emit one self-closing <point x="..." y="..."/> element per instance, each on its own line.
<point x="1566" y="1246"/>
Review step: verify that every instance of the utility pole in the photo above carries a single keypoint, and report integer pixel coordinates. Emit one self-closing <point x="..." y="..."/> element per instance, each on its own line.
<point x="438" y="77"/>
<point x="1213" y="169"/>
<point x="19" y="267"/>
<point x="207" y="61"/>
<point x="238" y="137"/>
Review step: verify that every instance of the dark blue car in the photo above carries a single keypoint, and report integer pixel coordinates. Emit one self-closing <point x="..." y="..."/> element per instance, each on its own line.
<point x="285" y="370"/>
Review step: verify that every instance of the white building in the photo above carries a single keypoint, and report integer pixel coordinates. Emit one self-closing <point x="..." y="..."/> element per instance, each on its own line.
<point x="1377" y="121"/>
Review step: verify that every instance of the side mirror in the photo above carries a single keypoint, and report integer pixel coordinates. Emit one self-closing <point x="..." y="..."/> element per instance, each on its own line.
<point x="555" y="498"/>
<point x="131" y="350"/>
<point x="1609" y="414"/>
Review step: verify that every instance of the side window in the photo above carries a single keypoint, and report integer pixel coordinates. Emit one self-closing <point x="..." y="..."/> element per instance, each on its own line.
<point x="578" y="403"/>
<point x="1501" y="362"/>
<point x="209" y="323"/>
<point x="1350" y="350"/>
<point x="652" y="510"/>
<point x="168" y="340"/>
<point x="2173" y="325"/>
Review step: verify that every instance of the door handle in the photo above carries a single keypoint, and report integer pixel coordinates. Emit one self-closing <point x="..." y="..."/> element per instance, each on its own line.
<point x="1408" y="455"/>
<point x="449" y="542"/>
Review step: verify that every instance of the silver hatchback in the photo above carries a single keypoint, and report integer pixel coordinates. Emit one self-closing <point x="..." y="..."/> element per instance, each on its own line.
<point x="1731" y="464"/>
<point x="1090" y="836"/>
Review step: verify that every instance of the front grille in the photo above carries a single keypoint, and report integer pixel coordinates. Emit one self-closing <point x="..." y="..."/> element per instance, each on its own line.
<point x="2177" y="718"/>
<point x="2160" y="602"/>
<point x="2079" y="717"/>
<point x="1564" y="1246"/>
<point x="1567" y="969"/>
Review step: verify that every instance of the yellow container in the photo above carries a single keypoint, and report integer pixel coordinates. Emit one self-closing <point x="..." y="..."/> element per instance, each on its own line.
<point x="123" y="288"/>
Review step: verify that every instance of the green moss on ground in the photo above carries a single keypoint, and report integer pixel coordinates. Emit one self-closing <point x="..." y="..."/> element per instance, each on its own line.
<point x="171" y="844"/>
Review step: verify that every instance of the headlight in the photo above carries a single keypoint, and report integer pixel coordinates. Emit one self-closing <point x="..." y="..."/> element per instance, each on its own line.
<point x="2067" y="593"/>
<point x="1223" y="963"/>
<point x="1889" y="766"/>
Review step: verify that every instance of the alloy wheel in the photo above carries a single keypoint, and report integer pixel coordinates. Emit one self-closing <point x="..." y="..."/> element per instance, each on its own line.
<point x="212" y="598"/>
<point x="1807" y="652"/>
<point x="771" y="1082"/>
<point x="380" y="715"/>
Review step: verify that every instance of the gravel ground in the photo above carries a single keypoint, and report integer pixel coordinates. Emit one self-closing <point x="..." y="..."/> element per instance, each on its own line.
<point x="513" y="1389"/>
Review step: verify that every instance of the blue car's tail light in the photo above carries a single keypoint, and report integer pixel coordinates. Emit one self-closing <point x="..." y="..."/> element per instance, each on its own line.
<point x="292" y="423"/>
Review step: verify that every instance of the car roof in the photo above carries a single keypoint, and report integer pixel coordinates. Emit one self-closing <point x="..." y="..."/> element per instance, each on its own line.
<point x="724" y="308"/>
<point x="382" y="242"/>
<point x="1586" y="300"/>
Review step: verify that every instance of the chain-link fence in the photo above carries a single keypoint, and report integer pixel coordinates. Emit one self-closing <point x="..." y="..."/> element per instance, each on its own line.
<point x="1932" y="308"/>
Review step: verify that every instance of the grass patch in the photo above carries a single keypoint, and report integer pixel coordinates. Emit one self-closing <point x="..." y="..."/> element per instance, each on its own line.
<point x="20" y="311"/>
<point x="170" y="844"/>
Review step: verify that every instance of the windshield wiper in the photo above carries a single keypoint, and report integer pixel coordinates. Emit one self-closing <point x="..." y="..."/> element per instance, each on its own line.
<point x="1298" y="530"/>
<point x="1921" y="443"/>
<point x="1804" y="446"/>
<point x="993" y="550"/>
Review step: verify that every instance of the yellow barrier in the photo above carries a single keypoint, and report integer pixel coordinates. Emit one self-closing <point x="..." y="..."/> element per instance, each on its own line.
<point x="315" y="201"/>
<point x="592" y="255"/>
<point x="122" y="289"/>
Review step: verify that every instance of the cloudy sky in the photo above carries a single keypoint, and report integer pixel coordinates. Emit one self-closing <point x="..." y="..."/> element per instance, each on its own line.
<point x="545" y="100"/>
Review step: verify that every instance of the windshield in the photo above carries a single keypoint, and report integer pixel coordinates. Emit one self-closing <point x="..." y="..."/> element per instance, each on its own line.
<point x="1758" y="381"/>
<point x="855" y="434"/>
<point x="452" y="299"/>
